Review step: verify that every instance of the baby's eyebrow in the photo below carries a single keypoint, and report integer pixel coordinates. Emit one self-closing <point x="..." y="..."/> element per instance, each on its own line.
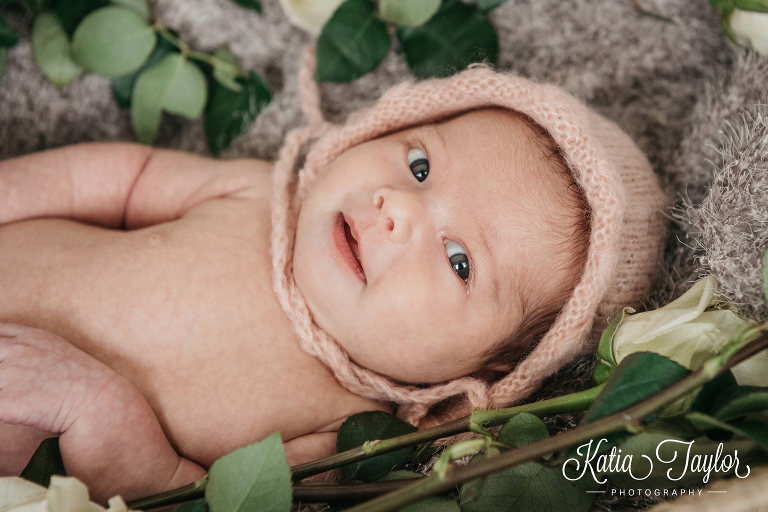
<point x="433" y="129"/>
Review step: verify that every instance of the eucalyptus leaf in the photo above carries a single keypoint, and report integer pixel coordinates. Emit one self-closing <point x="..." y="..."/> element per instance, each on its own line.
<point x="639" y="376"/>
<point x="737" y="401"/>
<point x="225" y="74"/>
<point x="188" y="88"/>
<point x="8" y="36"/>
<point x="458" y="35"/>
<point x="113" y="41"/>
<point x="370" y="426"/>
<point x="249" y="4"/>
<point x="45" y="462"/>
<point x="175" y="85"/>
<point x="352" y="43"/>
<point x="408" y="13"/>
<point x="529" y="486"/>
<point x="140" y="7"/>
<point x="122" y="86"/>
<point x="229" y="113"/>
<point x="51" y="46"/>
<point x="489" y="5"/>
<point x="72" y="12"/>
<point x="255" y="477"/>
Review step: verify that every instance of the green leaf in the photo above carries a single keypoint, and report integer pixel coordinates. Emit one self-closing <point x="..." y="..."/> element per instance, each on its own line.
<point x="529" y="486"/>
<point x="122" y="86"/>
<point x="249" y="4"/>
<point x="3" y="59"/>
<point x="489" y="5"/>
<point x="8" y="36"/>
<point x="737" y="401"/>
<point x="255" y="477"/>
<point x="45" y="462"/>
<point x="458" y="35"/>
<point x="352" y="43"/>
<point x="51" y="46"/>
<point x="140" y="7"/>
<point x="605" y="347"/>
<point x="431" y="504"/>
<point x="192" y="506"/>
<point x="705" y="397"/>
<point x="370" y="426"/>
<point x="408" y="13"/>
<point x="72" y="12"/>
<point x="226" y="73"/>
<point x="174" y="85"/>
<point x="113" y="41"/>
<point x="755" y="430"/>
<point x="522" y="429"/>
<point x="229" y="113"/>
<point x="752" y="5"/>
<point x="639" y="376"/>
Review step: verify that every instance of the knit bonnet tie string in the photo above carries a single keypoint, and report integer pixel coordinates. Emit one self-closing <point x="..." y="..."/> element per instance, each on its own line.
<point x="626" y="239"/>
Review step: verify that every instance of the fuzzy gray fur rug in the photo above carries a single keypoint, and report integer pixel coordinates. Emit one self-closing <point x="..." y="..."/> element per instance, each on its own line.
<point x="694" y="105"/>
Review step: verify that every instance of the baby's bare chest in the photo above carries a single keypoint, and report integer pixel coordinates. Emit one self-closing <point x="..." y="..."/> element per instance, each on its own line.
<point x="184" y="310"/>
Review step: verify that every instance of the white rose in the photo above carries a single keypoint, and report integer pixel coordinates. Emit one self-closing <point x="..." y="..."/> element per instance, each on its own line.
<point x="64" y="494"/>
<point x="750" y="29"/>
<point x="309" y="15"/>
<point x="689" y="330"/>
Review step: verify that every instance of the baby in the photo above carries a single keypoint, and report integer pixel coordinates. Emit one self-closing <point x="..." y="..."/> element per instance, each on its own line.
<point x="457" y="228"/>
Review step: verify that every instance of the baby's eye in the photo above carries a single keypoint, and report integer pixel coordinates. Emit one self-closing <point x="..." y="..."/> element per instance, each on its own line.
<point x="458" y="259"/>
<point x="419" y="164"/>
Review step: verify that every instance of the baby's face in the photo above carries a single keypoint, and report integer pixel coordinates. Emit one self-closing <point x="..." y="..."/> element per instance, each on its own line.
<point x="422" y="250"/>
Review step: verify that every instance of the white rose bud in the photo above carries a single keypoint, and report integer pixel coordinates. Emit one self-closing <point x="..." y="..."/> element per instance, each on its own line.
<point x="750" y="29"/>
<point x="309" y="15"/>
<point x="689" y="330"/>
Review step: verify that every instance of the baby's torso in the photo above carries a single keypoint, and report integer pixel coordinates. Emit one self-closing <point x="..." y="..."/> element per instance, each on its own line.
<point x="184" y="310"/>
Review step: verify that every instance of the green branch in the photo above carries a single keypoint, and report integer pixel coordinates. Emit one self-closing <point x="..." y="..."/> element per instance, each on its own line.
<point x="563" y="404"/>
<point x="627" y="419"/>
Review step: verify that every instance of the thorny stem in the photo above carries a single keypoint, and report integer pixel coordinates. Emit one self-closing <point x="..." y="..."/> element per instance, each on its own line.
<point x="629" y="418"/>
<point x="569" y="403"/>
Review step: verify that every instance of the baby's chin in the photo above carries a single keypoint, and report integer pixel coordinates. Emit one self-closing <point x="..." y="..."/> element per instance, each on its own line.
<point x="410" y="369"/>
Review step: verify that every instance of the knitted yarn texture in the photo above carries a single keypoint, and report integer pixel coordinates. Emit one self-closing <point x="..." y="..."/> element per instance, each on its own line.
<point x="625" y="242"/>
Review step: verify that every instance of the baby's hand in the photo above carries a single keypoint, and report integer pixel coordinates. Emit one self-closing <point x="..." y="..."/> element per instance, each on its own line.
<point x="45" y="382"/>
<point x="109" y="436"/>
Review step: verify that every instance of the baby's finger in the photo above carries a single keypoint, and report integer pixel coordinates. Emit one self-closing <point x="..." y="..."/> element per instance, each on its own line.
<point x="9" y="330"/>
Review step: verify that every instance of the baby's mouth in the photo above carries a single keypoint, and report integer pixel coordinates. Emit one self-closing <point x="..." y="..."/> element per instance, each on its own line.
<point x="349" y="249"/>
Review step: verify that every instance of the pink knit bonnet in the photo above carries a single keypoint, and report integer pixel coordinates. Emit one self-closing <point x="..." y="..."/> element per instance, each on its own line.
<point x="625" y="244"/>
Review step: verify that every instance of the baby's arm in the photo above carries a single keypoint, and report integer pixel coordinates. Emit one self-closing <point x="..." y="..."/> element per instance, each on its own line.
<point x="109" y="436"/>
<point x="114" y="185"/>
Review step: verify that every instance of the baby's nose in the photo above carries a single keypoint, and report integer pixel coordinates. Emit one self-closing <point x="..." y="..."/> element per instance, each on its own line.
<point x="400" y="212"/>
